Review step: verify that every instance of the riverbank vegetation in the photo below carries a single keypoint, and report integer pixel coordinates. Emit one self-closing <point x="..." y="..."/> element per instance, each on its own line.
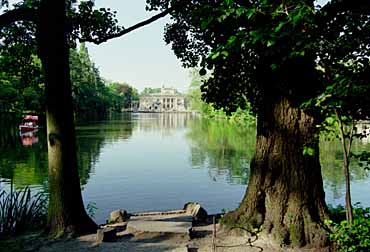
<point x="291" y="63"/>
<point x="22" y="88"/>
<point x="21" y="211"/>
<point x="277" y="56"/>
<point x="243" y="116"/>
<point x="350" y="236"/>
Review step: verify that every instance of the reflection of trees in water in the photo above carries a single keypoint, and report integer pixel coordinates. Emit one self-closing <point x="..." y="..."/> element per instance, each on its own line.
<point x="92" y="136"/>
<point x="225" y="149"/>
<point x="28" y="165"/>
<point x="149" y="122"/>
<point x="8" y="131"/>
<point x="331" y="159"/>
<point x="24" y="165"/>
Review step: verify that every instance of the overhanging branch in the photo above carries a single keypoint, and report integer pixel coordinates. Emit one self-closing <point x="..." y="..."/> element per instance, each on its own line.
<point x="336" y="7"/>
<point x="19" y="14"/>
<point x="127" y="30"/>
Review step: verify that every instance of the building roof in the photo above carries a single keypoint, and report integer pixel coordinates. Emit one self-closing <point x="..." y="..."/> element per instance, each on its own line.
<point x="165" y="92"/>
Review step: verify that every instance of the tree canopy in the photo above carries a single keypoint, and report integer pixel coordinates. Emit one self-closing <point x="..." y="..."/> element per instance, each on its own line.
<point x="259" y="48"/>
<point x="22" y="83"/>
<point x="283" y="57"/>
<point x="54" y="26"/>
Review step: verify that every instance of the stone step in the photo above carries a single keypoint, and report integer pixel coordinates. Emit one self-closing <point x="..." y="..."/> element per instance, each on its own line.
<point x="168" y="223"/>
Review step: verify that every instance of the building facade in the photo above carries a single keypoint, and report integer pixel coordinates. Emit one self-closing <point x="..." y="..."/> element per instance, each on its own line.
<point x="168" y="100"/>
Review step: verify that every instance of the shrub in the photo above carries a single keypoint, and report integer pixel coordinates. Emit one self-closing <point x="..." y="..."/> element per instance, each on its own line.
<point x="21" y="211"/>
<point x="352" y="237"/>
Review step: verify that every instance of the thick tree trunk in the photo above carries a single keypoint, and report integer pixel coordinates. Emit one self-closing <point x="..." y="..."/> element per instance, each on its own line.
<point x="285" y="192"/>
<point x="66" y="213"/>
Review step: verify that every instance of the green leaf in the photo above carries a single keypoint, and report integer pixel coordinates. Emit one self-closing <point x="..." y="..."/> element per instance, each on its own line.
<point x="215" y="55"/>
<point x="270" y="43"/>
<point x="225" y="53"/>
<point x="308" y="151"/>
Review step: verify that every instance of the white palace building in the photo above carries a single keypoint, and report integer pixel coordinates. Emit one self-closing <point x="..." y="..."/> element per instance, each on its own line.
<point x="168" y="100"/>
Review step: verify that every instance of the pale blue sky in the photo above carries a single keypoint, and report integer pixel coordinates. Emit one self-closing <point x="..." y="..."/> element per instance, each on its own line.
<point x="140" y="58"/>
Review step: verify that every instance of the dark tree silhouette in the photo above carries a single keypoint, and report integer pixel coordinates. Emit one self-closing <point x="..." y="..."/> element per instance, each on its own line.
<point x="277" y="55"/>
<point x="58" y="23"/>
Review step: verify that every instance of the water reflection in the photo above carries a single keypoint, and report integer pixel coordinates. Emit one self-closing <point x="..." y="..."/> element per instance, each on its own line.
<point x="332" y="167"/>
<point x="29" y="138"/>
<point x="22" y="159"/>
<point x="143" y="161"/>
<point x="224" y="149"/>
<point x="165" y="123"/>
<point x="92" y="136"/>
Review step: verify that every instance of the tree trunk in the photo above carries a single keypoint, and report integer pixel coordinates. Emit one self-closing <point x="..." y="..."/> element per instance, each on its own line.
<point x="346" y="148"/>
<point x="349" y="209"/>
<point x="66" y="213"/>
<point x="285" y="193"/>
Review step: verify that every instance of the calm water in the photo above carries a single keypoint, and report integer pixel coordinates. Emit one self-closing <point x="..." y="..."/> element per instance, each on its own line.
<point x="145" y="162"/>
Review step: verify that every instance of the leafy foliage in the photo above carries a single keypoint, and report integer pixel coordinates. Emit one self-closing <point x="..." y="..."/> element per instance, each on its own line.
<point x="262" y="49"/>
<point x="208" y="110"/>
<point x="89" y="24"/>
<point x="122" y="94"/>
<point x="226" y="148"/>
<point x="22" y="84"/>
<point x="21" y="78"/>
<point x="355" y="236"/>
<point x="266" y="51"/>
<point x="89" y="90"/>
<point x="21" y="211"/>
<point x="149" y="90"/>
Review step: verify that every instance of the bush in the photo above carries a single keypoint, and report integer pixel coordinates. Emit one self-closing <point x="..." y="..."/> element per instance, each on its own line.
<point x="20" y="211"/>
<point x="352" y="237"/>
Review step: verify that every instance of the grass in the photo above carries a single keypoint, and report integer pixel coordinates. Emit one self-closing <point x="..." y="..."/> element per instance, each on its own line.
<point x="21" y="211"/>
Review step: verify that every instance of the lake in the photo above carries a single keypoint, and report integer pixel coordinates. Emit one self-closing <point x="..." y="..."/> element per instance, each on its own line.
<point x="145" y="161"/>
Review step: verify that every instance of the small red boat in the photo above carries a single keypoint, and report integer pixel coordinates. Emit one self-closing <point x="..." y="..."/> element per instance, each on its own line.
<point x="29" y="138"/>
<point x="29" y="123"/>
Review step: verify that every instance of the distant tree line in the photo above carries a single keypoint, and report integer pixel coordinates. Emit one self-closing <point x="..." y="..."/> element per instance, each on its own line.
<point x="149" y="90"/>
<point x="22" y="91"/>
<point x="243" y="115"/>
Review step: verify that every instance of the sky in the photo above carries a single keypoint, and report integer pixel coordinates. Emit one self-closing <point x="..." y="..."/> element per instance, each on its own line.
<point x="140" y="58"/>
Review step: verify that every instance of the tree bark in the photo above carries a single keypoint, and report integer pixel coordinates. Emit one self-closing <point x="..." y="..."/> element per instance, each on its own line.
<point x="66" y="212"/>
<point x="285" y="193"/>
<point x="346" y="148"/>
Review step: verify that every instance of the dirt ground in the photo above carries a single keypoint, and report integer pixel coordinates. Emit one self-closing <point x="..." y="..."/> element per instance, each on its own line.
<point x="161" y="242"/>
<point x="151" y="242"/>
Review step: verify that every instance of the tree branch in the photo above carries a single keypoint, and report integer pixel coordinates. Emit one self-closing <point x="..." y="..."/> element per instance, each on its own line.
<point x="335" y="7"/>
<point x="127" y="30"/>
<point x="19" y="14"/>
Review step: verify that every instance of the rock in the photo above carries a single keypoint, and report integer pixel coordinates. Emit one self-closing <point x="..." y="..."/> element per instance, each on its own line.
<point x="175" y="224"/>
<point x="118" y="216"/>
<point x="106" y="235"/>
<point x="192" y="248"/>
<point x="197" y="211"/>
